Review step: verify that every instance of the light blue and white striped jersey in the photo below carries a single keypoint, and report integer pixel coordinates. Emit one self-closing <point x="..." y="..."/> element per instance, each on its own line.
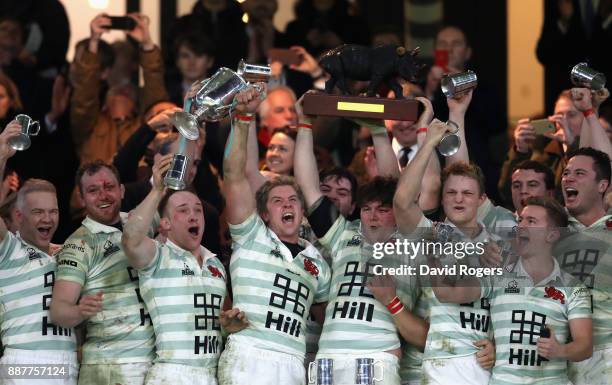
<point x="27" y="275"/>
<point x="184" y="301"/>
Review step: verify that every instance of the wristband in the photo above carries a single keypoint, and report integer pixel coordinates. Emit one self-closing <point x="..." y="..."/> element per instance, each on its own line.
<point x="588" y="112"/>
<point x="395" y="306"/>
<point x="245" y="118"/>
<point x="304" y="125"/>
<point x="421" y="130"/>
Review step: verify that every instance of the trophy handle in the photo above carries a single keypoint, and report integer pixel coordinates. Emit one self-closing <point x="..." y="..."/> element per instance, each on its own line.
<point x="380" y="371"/>
<point x="312" y="371"/>
<point x="37" y="124"/>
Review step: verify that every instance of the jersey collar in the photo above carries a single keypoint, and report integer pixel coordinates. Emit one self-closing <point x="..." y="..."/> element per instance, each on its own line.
<point x="97" y="227"/>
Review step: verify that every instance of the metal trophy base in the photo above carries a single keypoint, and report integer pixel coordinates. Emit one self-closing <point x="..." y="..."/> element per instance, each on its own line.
<point x="360" y="107"/>
<point x="20" y="143"/>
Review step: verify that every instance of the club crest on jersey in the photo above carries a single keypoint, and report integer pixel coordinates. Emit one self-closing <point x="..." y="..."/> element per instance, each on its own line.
<point x="512" y="288"/>
<point x="276" y="252"/>
<point x="186" y="270"/>
<point x="355" y="241"/>
<point x="555" y="294"/>
<point x="110" y="248"/>
<point x="215" y="272"/>
<point x="32" y="254"/>
<point x="311" y="267"/>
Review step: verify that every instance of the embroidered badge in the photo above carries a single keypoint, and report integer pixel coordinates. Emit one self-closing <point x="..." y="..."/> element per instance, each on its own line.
<point x="554" y="294"/>
<point x="214" y="271"/>
<point x="310" y="267"/>
<point x="355" y="241"/>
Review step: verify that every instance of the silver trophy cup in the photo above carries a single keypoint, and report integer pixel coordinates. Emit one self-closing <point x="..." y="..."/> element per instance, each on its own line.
<point x="458" y="84"/>
<point x="584" y="76"/>
<point x="175" y="177"/>
<point x="364" y="371"/>
<point x="211" y="99"/>
<point x="29" y="128"/>
<point x="321" y="372"/>
<point x="450" y="142"/>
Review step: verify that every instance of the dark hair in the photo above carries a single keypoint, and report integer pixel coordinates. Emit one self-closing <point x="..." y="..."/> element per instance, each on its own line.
<point x="601" y="161"/>
<point x="338" y="173"/>
<point x="197" y="43"/>
<point x="163" y="203"/>
<point x="469" y="170"/>
<point x="290" y="132"/>
<point x="461" y="29"/>
<point x="106" y="53"/>
<point x="555" y="212"/>
<point x="380" y="189"/>
<point x="93" y="167"/>
<point x="537" y="167"/>
<point x="261" y="196"/>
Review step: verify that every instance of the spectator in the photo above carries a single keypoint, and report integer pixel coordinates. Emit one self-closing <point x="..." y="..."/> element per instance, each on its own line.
<point x="219" y="20"/>
<point x="195" y="56"/>
<point x="260" y="29"/>
<point x="276" y="111"/>
<point x="582" y="28"/>
<point x="98" y="133"/>
<point x="279" y="155"/>
<point x="483" y="122"/>
<point x="46" y="33"/>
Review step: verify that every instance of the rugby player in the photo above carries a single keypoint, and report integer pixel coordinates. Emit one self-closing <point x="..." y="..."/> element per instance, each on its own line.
<point x="27" y="274"/>
<point x="96" y="285"/>
<point x="533" y="294"/>
<point x="276" y="276"/>
<point x="182" y="283"/>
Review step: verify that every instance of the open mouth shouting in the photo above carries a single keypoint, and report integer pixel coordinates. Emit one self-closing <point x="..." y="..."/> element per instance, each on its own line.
<point x="44" y="231"/>
<point x="571" y="195"/>
<point x="288" y="218"/>
<point x="194" y="231"/>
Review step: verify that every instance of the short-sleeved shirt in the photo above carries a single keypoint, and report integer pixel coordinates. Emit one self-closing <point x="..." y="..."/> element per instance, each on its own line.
<point x="453" y="328"/>
<point x="274" y="288"/>
<point x="27" y="275"/>
<point x="519" y="310"/>
<point x="122" y="331"/>
<point x="586" y="253"/>
<point x="184" y="301"/>
<point x="354" y="320"/>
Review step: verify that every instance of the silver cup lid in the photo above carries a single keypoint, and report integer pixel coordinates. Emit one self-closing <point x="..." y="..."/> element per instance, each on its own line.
<point x="186" y="124"/>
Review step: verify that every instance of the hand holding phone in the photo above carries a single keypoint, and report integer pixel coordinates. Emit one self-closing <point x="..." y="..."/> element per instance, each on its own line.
<point x="543" y="126"/>
<point x="124" y="23"/>
<point x="284" y="56"/>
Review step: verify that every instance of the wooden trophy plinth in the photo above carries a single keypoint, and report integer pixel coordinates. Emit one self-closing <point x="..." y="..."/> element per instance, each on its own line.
<point x="360" y="107"/>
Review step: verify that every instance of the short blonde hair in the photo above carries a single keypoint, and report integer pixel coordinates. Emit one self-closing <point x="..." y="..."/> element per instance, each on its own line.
<point x="31" y="186"/>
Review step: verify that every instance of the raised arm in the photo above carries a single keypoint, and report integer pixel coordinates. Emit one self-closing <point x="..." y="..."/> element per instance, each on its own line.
<point x="429" y="198"/>
<point x="154" y="88"/>
<point x="138" y="247"/>
<point x="12" y="130"/>
<point x="85" y="102"/>
<point x="305" y="163"/>
<point x="256" y="180"/>
<point x="457" y="107"/>
<point x="238" y="193"/>
<point x="592" y="133"/>
<point x="405" y="206"/>
<point x="386" y="161"/>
